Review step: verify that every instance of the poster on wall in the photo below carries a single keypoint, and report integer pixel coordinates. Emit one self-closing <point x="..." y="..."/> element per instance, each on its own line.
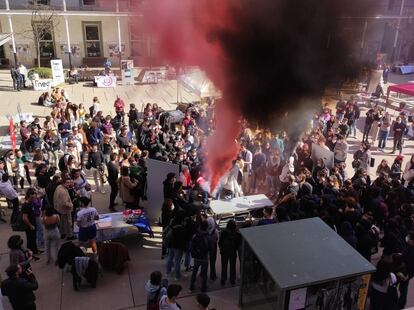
<point x="22" y="49"/>
<point x="75" y="49"/>
<point x="57" y="71"/>
<point x="127" y="69"/>
<point x="113" y="49"/>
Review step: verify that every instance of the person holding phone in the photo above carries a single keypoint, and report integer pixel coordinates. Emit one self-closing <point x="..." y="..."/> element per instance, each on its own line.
<point x="19" y="289"/>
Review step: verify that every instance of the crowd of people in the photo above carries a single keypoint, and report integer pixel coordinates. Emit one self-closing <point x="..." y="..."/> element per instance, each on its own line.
<point x="76" y="139"/>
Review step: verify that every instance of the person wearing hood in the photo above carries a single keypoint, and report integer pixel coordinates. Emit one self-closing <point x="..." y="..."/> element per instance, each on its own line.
<point x="169" y="301"/>
<point x="155" y="288"/>
<point x="212" y="238"/>
<point x="348" y="234"/>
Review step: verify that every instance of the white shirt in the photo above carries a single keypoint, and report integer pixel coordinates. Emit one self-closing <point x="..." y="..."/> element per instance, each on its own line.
<point x="86" y="217"/>
<point x="96" y="108"/>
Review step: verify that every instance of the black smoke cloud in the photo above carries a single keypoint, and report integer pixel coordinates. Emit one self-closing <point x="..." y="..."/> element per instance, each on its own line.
<point x="281" y="55"/>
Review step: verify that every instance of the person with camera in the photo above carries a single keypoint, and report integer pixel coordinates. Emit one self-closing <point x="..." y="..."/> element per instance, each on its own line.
<point x="19" y="287"/>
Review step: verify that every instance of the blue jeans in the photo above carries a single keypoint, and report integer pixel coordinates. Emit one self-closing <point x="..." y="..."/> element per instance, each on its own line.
<point x="174" y="258"/>
<point x="382" y="138"/>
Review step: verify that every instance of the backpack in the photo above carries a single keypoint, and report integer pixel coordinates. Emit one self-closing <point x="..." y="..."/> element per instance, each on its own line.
<point x="18" y="224"/>
<point x="168" y="234"/>
<point x="199" y="246"/>
<point x="154" y="304"/>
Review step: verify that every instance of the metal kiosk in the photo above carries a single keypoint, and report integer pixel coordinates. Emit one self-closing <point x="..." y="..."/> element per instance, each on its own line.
<point x="301" y="265"/>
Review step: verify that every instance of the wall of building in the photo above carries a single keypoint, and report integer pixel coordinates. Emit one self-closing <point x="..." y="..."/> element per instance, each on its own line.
<point x="24" y="37"/>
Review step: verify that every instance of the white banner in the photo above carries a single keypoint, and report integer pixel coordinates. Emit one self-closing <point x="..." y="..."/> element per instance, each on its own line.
<point x="42" y="84"/>
<point x="57" y="72"/>
<point x="105" y="81"/>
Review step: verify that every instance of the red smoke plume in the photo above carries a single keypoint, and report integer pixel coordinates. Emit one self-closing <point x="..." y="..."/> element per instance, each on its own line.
<point x="186" y="33"/>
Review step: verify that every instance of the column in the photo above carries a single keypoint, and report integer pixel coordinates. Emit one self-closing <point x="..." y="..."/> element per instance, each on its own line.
<point x="67" y="34"/>
<point x="12" y="33"/>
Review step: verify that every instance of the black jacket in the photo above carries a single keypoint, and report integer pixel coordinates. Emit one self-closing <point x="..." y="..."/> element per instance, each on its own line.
<point x="408" y="257"/>
<point x="20" y="291"/>
<point x="112" y="172"/>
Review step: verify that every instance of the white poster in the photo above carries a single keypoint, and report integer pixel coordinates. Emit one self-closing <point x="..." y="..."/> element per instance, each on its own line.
<point x="57" y="72"/>
<point x="326" y="155"/>
<point x="157" y="172"/>
<point x="127" y="69"/>
<point x="42" y="84"/>
<point x="105" y="81"/>
<point x="113" y="49"/>
<point x="74" y="46"/>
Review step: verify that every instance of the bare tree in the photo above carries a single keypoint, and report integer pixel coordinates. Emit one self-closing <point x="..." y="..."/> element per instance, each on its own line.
<point x="42" y="22"/>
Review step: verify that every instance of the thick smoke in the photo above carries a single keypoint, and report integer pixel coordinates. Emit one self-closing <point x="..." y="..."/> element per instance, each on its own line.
<point x="272" y="59"/>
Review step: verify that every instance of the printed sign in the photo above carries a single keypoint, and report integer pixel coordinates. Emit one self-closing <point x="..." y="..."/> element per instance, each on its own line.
<point x="105" y="81"/>
<point x="42" y="84"/>
<point x="127" y="69"/>
<point x="57" y="71"/>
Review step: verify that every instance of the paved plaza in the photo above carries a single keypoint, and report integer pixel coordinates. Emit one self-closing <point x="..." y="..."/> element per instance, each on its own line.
<point x="126" y="291"/>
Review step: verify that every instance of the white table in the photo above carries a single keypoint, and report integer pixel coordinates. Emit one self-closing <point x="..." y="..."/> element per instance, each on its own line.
<point x="240" y="204"/>
<point x="116" y="227"/>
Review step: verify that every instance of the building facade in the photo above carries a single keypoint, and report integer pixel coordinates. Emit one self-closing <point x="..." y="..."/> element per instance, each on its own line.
<point x="94" y="30"/>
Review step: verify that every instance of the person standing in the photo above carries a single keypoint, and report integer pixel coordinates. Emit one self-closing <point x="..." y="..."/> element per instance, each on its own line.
<point x="126" y="186"/>
<point x="19" y="287"/>
<point x="95" y="162"/>
<point x="213" y="237"/>
<point x="408" y="258"/>
<point x="23" y="74"/>
<point x="85" y="219"/>
<point x="113" y="174"/>
<point x="385" y="74"/>
<point x="385" y="124"/>
<point x="199" y="252"/>
<point x="169" y="301"/>
<point x="247" y="157"/>
<point x="371" y="117"/>
<point x="340" y="150"/>
<point x="63" y="204"/>
<point x="16" y="78"/>
<point x="229" y="243"/>
<point x="51" y="222"/>
<point x="30" y="220"/>
<point x="12" y="197"/>
<point x="399" y="131"/>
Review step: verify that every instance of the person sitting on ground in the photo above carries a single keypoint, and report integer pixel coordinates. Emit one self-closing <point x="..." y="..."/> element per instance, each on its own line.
<point x="203" y="301"/>
<point x="169" y="301"/>
<point x="156" y="288"/>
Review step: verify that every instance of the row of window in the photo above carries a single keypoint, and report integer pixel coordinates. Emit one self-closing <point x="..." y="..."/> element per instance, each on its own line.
<point x="92" y="34"/>
<point x="129" y="3"/>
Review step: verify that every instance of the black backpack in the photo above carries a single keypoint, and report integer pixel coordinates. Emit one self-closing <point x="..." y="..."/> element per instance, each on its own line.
<point x="199" y="246"/>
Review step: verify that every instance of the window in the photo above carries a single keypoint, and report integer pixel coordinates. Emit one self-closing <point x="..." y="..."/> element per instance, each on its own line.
<point x="137" y="37"/>
<point x="92" y="37"/>
<point x="135" y="4"/>
<point x="44" y="34"/>
<point x="89" y="2"/>
<point x="40" y="2"/>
